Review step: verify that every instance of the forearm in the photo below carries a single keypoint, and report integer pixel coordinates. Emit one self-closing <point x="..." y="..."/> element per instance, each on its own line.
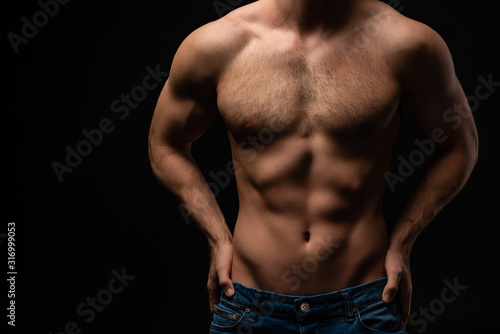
<point x="444" y="177"/>
<point x="178" y="172"/>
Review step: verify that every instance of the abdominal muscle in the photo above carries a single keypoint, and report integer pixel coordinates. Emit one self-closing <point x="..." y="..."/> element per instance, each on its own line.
<point x="310" y="224"/>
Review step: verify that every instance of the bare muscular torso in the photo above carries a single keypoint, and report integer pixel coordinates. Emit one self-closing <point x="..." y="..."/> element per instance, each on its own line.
<point x="311" y="125"/>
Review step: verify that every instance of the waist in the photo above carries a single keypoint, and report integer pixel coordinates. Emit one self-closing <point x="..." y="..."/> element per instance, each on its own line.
<point x="280" y="305"/>
<point x="308" y="258"/>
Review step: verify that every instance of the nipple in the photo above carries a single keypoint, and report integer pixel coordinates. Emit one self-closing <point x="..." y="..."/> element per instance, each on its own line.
<point x="248" y="126"/>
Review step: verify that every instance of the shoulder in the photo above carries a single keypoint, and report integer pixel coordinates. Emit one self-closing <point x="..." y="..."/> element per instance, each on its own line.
<point x="399" y="33"/>
<point x="416" y="40"/>
<point x="412" y="46"/>
<point x="209" y="48"/>
<point x="413" y="50"/>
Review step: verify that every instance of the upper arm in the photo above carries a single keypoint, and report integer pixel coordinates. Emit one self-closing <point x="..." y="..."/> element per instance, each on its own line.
<point x="187" y="104"/>
<point x="432" y="94"/>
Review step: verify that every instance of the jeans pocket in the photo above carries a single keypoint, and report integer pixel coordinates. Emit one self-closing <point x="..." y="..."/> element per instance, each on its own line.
<point x="379" y="318"/>
<point x="228" y="316"/>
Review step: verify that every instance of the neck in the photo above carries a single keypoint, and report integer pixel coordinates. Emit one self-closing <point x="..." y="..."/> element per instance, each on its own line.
<point x="309" y="15"/>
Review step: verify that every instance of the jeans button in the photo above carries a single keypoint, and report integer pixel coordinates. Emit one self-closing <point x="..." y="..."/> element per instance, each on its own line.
<point x="304" y="307"/>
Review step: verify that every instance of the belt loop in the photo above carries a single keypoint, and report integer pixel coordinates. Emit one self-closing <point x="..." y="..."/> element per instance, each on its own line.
<point x="349" y="315"/>
<point x="254" y="309"/>
<point x="255" y="302"/>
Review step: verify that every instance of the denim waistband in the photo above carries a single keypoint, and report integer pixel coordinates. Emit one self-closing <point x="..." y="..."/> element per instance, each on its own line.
<point x="340" y="302"/>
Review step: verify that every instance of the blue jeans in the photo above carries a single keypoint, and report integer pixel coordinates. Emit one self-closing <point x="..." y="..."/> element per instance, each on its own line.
<point x="359" y="309"/>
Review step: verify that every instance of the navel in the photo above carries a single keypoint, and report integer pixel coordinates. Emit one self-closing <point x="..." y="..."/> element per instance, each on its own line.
<point x="307" y="236"/>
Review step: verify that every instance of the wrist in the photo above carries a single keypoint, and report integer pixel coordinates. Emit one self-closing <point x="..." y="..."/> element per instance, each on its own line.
<point x="405" y="234"/>
<point x="401" y="245"/>
<point x="403" y="251"/>
<point x="218" y="241"/>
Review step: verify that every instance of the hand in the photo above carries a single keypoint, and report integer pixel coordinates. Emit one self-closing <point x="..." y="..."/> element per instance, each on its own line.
<point x="397" y="268"/>
<point x="221" y="260"/>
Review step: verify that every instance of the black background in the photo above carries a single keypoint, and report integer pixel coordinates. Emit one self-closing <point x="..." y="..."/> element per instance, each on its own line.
<point x="110" y="213"/>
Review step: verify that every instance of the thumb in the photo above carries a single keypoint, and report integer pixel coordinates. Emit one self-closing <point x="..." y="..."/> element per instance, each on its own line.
<point x="391" y="288"/>
<point x="226" y="284"/>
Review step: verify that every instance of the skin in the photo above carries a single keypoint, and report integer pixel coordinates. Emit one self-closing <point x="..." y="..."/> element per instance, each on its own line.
<point x="310" y="92"/>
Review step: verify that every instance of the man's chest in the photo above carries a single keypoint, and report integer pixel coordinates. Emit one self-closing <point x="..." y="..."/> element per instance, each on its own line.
<point x="321" y="91"/>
